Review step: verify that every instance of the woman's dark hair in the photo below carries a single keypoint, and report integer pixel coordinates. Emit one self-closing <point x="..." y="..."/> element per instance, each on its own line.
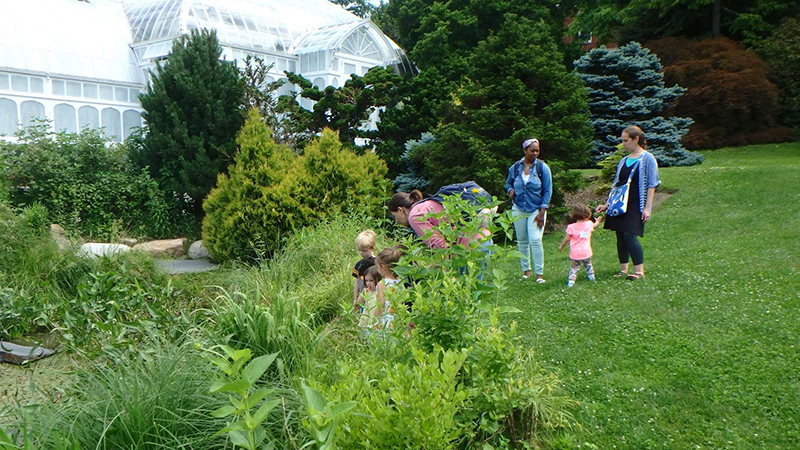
<point x="373" y="272"/>
<point x="580" y="212"/>
<point x="403" y="200"/>
<point x="635" y="132"/>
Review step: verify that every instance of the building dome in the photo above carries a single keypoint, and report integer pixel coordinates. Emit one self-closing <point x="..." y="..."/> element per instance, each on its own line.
<point x="84" y="63"/>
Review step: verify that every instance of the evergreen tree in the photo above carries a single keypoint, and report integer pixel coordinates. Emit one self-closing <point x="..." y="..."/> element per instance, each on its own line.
<point x="193" y="110"/>
<point x="516" y="88"/>
<point x="343" y="109"/>
<point x="626" y="87"/>
<point x="412" y="178"/>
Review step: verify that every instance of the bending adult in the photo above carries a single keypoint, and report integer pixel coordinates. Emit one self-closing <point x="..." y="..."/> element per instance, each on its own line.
<point x="530" y="186"/>
<point x="642" y="169"/>
<point x="411" y="208"/>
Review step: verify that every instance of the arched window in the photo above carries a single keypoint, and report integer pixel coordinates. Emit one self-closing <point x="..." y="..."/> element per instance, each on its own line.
<point x="360" y="43"/>
<point x="111" y="123"/>
<point x="130" y="121"/>
<point x="88" y="118"/>
<point x="30" y="112"/>
<point x="8" y="116"/>
<point x="65" y="118"/>
<point x="319" y="82"/>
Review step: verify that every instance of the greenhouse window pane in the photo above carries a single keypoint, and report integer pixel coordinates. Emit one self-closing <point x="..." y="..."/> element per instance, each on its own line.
<point x="110" y="118"/>
<point x="37" y="85"/>
<point x="4" y="83"/>
<point x="106" y="92"/>
<point x="64" y="118"/>
<point x="134" y="95"/>
<point x="58" y="87"/>
<point x="88" y="118"/>
<point x="19" y="83"/>
<point x="89" y="90"/>
<point x="31" y="112"/>
<point x="73" y="89"/>
<point x="121" y="94"/>
<point x="349" y="68"/>
<point x="8" y="116"/>
<point x="130" y="121"/>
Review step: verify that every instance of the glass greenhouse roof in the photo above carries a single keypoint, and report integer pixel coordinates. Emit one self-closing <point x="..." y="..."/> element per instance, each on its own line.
<point x="66" y="37"/>
<point x="271" y="25"/>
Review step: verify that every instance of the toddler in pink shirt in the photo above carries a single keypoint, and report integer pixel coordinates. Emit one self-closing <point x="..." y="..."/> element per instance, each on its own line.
<point x="579" y="237"/>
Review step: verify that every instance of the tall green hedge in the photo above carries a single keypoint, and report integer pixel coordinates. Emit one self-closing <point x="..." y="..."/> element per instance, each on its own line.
<point x="269" y="192"/>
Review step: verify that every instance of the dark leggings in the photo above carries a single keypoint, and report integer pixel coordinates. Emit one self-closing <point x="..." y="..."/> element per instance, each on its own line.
<point x="628" y="246"/>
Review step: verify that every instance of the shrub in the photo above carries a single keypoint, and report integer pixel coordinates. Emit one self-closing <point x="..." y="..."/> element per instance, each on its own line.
<point x="270" y="192"/>
<point x="626" y="87"/>
<point x="193" y="109"/>
<point x="730" y="96"/>
<point x="781" y="51"/>
<point x="86" y="183"/>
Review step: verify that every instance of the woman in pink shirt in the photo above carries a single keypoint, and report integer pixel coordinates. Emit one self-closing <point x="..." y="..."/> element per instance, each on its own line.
<point x="579" y="237"/>
<point x="410" y="209"/>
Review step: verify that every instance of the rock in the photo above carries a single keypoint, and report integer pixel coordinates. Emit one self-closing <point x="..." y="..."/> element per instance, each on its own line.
<point x="129" y="241"/>
<point x="198" y="251"/>
<point x="60" y="236"/>
<point x="21" y="354"/>
<point x="94" y="249"/>
<point x="165" y="247"/>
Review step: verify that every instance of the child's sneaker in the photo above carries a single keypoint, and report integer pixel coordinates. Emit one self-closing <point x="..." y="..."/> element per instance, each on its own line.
<point x="570" y="283"/>
<point x="592" y="279"/>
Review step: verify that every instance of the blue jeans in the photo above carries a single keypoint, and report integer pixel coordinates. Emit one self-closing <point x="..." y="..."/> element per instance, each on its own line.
<point x="529" y="239"/>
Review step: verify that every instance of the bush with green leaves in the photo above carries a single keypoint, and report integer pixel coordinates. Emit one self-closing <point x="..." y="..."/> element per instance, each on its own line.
<point x="781" y="51"/>
<point x="270" y="192"/>
<point x="87" y="184"/>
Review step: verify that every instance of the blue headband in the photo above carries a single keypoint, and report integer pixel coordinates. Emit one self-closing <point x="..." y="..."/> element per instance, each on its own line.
<point x="528" y="142"/>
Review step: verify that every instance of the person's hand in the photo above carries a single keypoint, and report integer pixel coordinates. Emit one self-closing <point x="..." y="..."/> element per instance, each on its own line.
<point x="511" y="193"/>
<point x="600" y="208"/>
<point x="645" y="215"/>
<point x="539" y="219"/>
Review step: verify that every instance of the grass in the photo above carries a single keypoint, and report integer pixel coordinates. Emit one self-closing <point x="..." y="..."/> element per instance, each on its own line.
<point x="704" y="352"/>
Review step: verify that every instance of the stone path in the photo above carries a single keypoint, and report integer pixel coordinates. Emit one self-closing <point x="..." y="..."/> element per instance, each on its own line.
<point x="178" y="266"/>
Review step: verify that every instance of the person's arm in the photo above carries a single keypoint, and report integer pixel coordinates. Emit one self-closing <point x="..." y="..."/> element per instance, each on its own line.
<point x="380" y="294"/>
<point x="564" y="242"/>
<point x="547" y="193"/>
<point x="355" y="291"/>
<point x="510" y="181"/>
<point x="648" y="205"/>
<point x="597" y="222"/>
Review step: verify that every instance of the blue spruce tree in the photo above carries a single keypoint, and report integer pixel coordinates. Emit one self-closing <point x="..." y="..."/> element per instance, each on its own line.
<point x="412" y="178"/>
<point x="626" y="87"/>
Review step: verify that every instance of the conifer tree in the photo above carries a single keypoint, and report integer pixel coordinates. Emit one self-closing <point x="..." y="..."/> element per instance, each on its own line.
<point x="194" y="109"/>
<point x="626" y="87"/>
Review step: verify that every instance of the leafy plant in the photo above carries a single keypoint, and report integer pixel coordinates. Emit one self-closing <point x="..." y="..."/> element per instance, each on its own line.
<point x="324" y="417"/>
<point x="239" y="380"/>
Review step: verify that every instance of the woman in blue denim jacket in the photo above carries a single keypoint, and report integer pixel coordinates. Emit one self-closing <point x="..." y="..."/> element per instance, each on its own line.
<point x="530" y="186"/>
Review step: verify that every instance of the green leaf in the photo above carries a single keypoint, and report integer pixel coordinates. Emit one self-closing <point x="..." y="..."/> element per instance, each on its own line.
<point x="239" y="439"/>
<point x="257" y="367"/>
<point x="238" y="386"/>
<point x="314" y="400"/>
<point x="264" y="410"/>
<point x="223" y="412"/>
<point x="255" y="397"/>
<point x="342" y="408"/>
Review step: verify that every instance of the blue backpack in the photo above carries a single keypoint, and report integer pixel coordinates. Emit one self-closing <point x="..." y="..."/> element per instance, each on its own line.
<point x="470" y="191"/>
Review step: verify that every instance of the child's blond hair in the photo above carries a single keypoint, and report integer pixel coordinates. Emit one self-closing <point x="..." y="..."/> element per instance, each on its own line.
<point x="389" y="256"/>
<point x="366" y="240"/>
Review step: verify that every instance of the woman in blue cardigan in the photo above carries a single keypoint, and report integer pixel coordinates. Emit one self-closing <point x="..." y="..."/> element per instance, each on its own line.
<point x="530" y="186"/>
<point x="642" y="168"/>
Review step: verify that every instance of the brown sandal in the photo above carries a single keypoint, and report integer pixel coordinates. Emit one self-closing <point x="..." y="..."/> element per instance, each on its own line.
<point x="635" y="276"/>
<point x="620" y="274"/>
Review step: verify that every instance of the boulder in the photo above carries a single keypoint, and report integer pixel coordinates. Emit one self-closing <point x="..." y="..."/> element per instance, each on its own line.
<point x="60" y="236"/>
<point x="95" y="249"/>
<point x="172" y="248"/>
<point x="129" y="241"/>
<point x="198" y="251"/>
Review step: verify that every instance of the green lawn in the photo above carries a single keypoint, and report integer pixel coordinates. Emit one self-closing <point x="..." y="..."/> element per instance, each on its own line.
<point x="703" y="354"/>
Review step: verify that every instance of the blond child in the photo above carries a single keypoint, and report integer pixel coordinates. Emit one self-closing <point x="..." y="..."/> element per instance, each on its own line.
<point x="365" y="244"/>
<point x="579" y="237"/>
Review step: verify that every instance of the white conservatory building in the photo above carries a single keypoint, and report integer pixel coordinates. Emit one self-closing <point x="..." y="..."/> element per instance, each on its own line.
<point x="82" y="63"/>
